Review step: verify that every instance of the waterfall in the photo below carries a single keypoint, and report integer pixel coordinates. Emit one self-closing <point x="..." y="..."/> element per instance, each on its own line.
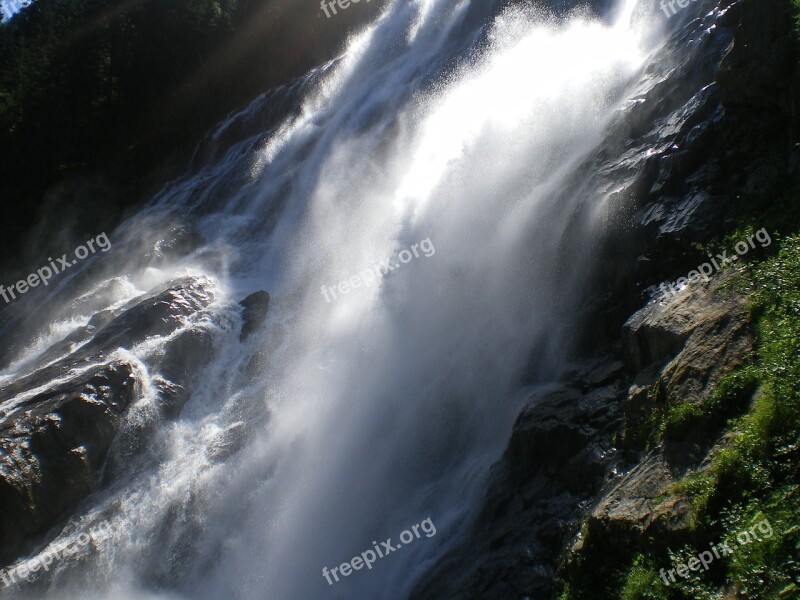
<point x="454" y="130"/>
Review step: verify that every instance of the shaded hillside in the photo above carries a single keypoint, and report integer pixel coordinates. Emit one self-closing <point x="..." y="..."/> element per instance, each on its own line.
<point x="114" y="88"/>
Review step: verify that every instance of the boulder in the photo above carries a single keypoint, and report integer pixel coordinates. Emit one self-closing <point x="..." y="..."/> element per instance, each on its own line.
<point x="637" y="510"/>
<point x="53" y="441"/>
<point x="160" y="312"/>
<point x="660" y="330"/>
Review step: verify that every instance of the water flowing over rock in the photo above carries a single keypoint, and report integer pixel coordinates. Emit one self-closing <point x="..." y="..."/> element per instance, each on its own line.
<point x="58" y="423"/>
<point x="52" y="445"/>
<point x="680" y="153"/>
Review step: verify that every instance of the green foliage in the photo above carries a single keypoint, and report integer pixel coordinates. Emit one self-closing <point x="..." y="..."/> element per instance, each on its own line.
<point x="644" y="432"/>
<point x="796" y="4"/>
<point x="755" y="477"/>
<point x="682" y="418"/>
<point x="642" y="582"/>
<point x="767" y="565"/>
<point x="729" y="399"/>
<point x="663" y="421"/>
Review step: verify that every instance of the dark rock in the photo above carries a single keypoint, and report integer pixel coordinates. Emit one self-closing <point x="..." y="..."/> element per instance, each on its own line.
<point x="183" y="357"/>
<point x="541" y="438"/>
<point x="682" y="345"/>
<point x="256" y="306"/>
<point x="228" y="442"/>
<point x="746" y="77"/>
<point x="688" y="217"/>
<point x="55" y="443"/>
<point x="52" y="444"/>
<point x="632" y="514"/>
<point x="557" y="457"/>
<point x="161" y="312"/>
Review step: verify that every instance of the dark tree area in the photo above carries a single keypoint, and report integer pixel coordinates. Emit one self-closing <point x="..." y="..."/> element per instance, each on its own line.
<point x="118" y="87"/>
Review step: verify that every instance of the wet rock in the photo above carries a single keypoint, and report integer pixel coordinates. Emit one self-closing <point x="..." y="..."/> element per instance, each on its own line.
<point x="681" y="345"/>
<point x="161" y="312"/>
<point x="52" y="444"/>
<point x="632" y="514"/>
<point x="228" y="442"/>
<point x="256" y="307"/>
<point x="635" y="504"/>
<point x="557" y="457"/>
<point x="688" y="217"/>
<point x="55" y="441"/>
<point x="184" y="356"/>
<point x="541" y="438"/>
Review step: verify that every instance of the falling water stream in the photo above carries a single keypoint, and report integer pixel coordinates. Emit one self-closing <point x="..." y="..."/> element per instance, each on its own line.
<point x="361" y="415"/>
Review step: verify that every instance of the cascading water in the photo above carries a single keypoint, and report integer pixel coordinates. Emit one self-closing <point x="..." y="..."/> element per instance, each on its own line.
<point x="355" y="417"/>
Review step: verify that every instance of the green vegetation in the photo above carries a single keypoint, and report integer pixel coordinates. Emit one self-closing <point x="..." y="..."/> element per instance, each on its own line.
<point x="796" y="4"/>
<point x="730" y="398"/>
<point x="755" y="476"/>
<point x="677" y="420"/>
<point x="642" y="582"/>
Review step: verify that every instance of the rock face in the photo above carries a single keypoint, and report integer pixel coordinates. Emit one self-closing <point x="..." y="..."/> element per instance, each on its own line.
<point x="680" y="347"/>
<point x="701" y="332"/>
<point x="713" y="336"/>
<point x="255" y="308"/>
<point x="52" y="444"/>
<point x="631" y="515"/>
<point x="559" y="455"/>
<point x="59" y="424"/>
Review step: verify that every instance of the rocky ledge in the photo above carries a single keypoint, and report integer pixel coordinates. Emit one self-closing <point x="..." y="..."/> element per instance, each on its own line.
<point x="59" y="422"/>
